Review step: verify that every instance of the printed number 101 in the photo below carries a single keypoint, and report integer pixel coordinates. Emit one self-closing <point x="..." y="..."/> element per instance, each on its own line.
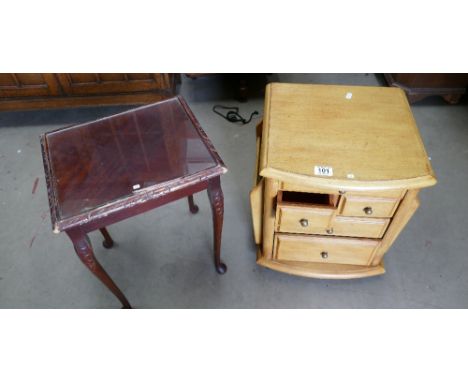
<point x="323" y="170"/>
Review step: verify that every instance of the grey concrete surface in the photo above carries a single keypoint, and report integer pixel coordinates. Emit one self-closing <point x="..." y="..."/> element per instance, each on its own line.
<point x="163" y="258"/>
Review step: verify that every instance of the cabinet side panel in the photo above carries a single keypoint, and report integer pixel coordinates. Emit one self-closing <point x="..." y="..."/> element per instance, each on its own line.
<point x="256" y="204"/>
<point x="269" y="200"/>
<point x="403" y="214"/>
<point x="265" y="131"/>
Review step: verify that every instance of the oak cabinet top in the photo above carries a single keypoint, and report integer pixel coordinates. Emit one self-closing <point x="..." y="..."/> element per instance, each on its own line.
<point x="351" y="137"/>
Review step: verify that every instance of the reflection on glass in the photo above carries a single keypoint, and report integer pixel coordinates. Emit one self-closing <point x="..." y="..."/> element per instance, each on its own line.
<point x="108" y="159"/>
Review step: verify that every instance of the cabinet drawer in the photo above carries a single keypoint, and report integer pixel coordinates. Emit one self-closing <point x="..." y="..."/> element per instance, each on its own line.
<point x="320" y="221"/>
<point x="319" y="249"/>
<point x="359" y="227"/>
<point x="354" y="205"/>
<point x="296" y="219"/>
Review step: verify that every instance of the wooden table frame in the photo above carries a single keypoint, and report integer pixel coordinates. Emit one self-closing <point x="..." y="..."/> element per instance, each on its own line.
<point x="78" y="227"/>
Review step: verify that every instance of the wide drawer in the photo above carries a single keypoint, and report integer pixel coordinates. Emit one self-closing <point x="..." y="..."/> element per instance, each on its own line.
<point x="322" y="221"/>
<point x="356" y="205"/>
<point x="319" y="249"/>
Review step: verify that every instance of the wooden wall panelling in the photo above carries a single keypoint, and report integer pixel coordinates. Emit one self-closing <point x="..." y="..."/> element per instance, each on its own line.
<point x="28" y="85"/>
<point x="40" y="91"/>
<point x="96" y="83"/>
<point x="417" y="86"/>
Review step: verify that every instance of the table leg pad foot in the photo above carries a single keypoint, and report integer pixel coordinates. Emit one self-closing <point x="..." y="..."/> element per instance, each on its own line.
<point x="221" y="268"/>
<point x="107" y="244"/>
<point x="192" y="206"/>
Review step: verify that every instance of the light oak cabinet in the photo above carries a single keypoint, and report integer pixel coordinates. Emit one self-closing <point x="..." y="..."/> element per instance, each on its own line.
<point x="337" y="178"/>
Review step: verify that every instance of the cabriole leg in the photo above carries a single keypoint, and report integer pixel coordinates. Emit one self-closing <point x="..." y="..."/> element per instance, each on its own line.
<point x="85" y="252"/>
<point x="215" y="194"/>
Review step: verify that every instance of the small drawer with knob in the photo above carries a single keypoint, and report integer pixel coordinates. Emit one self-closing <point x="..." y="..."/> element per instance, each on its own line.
<point x="366" y="206"/>
<point x="296" y="219"/>
<point x="319" y="249"/>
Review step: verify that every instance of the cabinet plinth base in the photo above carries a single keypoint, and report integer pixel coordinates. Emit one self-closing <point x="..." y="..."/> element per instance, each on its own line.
<point x="321" y="271"/>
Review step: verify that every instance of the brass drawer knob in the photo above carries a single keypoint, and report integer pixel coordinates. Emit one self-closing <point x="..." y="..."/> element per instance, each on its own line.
<point x="368" y="210"/>
<point x="330" y="231"/>
<point x="304" y="222"/>
<point x="324" y="255"/>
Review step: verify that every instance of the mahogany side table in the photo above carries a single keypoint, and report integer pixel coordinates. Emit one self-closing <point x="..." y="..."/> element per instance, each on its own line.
<point x="111" y="169"/>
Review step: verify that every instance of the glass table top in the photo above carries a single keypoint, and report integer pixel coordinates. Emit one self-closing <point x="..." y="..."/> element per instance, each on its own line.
<point x="95" y="163"/>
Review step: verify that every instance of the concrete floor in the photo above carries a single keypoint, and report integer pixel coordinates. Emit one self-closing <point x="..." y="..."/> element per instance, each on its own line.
<point x="163" y="258"/>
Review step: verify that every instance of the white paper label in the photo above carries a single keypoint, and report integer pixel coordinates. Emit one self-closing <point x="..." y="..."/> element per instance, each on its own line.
<point x="323" y="170"/>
